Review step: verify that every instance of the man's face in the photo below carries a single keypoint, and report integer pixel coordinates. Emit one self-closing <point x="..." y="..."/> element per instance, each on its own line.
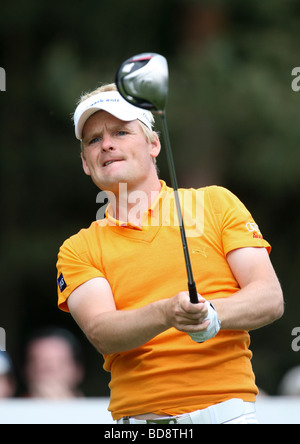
<point x="116" y="152"/>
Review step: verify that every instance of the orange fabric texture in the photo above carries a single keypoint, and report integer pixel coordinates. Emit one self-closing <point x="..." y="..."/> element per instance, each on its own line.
<point x="171" y="374"/>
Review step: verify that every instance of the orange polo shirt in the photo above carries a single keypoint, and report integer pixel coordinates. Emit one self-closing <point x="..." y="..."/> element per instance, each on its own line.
<point x="171" y="374"/>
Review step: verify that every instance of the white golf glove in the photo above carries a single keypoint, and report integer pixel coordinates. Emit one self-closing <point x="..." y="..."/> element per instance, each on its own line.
<point x="213" y="328"/>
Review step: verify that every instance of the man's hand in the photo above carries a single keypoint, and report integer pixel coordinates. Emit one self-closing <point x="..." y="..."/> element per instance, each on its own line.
<point x="185" y="316"/>
<point x="213" y="328"/>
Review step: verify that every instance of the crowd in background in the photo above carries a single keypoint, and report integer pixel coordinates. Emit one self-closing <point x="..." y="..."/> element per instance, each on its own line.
<point x="52" y="367"/>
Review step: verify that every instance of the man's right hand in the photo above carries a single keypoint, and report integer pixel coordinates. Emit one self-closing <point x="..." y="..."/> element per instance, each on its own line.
<point x="185" y="316"/>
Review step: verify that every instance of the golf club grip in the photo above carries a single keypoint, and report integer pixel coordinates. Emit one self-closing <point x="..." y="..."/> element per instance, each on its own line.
<point x="193" y="293"/>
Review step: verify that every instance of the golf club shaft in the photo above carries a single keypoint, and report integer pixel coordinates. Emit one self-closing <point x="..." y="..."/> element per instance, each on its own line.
<point x="191" y="282"/>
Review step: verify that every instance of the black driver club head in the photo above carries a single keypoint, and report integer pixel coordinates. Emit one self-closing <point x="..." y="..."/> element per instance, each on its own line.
<point x="143" y="81"/>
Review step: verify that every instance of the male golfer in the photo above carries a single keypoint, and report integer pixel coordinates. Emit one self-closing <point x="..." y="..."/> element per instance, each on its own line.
<point x="124" y="279"/>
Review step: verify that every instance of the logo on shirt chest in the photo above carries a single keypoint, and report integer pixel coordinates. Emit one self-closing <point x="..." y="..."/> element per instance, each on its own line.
<point x="201" y="250"/>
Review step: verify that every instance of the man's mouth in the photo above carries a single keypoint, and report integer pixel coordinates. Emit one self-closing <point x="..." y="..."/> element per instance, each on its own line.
<point x="108" y="162"/>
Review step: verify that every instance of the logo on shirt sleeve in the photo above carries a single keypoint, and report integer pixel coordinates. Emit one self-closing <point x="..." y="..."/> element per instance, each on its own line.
<point x="61" y="283"/>
<point x="253" y="228"/>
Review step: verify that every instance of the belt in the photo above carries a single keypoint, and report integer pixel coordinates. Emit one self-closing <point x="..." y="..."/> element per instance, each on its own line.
<point x="215" y="414"/>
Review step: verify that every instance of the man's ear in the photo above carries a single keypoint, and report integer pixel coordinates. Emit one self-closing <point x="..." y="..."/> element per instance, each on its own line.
<point x="156" y="146"/>
<point x="85" y="165"/>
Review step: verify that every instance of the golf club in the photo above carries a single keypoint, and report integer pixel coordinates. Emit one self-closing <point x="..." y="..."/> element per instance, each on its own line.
<point x="142" y="80"/>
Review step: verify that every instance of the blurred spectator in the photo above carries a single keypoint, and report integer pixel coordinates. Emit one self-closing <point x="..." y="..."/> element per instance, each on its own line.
<point x="290" y="384"/>
<point x="53" y="366"/>
<point x="7" y="378"/>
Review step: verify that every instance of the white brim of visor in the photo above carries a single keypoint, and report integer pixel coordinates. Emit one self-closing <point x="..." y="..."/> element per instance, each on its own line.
<point x="113" y="103"/>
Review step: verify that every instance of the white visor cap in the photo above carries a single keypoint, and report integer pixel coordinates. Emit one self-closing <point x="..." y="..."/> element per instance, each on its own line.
<point x="113" y="103"/>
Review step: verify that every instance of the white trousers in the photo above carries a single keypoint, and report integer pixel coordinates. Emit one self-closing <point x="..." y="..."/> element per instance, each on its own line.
<point x="234" y="411"/>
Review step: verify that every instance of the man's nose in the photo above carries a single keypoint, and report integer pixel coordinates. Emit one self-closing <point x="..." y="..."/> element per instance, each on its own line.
<point x="107" y="143"/>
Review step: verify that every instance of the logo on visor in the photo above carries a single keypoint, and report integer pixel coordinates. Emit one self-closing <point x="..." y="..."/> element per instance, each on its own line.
<point x="104" y="100"/>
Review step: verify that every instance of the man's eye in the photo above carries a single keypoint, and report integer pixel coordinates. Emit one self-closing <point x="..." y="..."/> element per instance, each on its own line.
<point x="94" y="140"/>
<point x="121" y="133"/>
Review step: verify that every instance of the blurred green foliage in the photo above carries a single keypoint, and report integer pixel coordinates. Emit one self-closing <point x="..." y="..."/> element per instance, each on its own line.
<point x="233" y="119"/>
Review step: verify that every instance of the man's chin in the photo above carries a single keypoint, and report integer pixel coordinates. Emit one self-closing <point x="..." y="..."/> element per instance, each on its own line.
<point x="112" y="183"/>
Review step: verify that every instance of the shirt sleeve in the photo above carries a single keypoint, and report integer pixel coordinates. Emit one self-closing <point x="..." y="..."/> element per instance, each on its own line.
<point x="74" y="268"/>
<point x="238" y="228"/>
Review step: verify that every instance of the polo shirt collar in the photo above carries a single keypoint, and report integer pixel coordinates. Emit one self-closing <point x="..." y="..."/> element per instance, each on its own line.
<point x="153" y="211"/>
